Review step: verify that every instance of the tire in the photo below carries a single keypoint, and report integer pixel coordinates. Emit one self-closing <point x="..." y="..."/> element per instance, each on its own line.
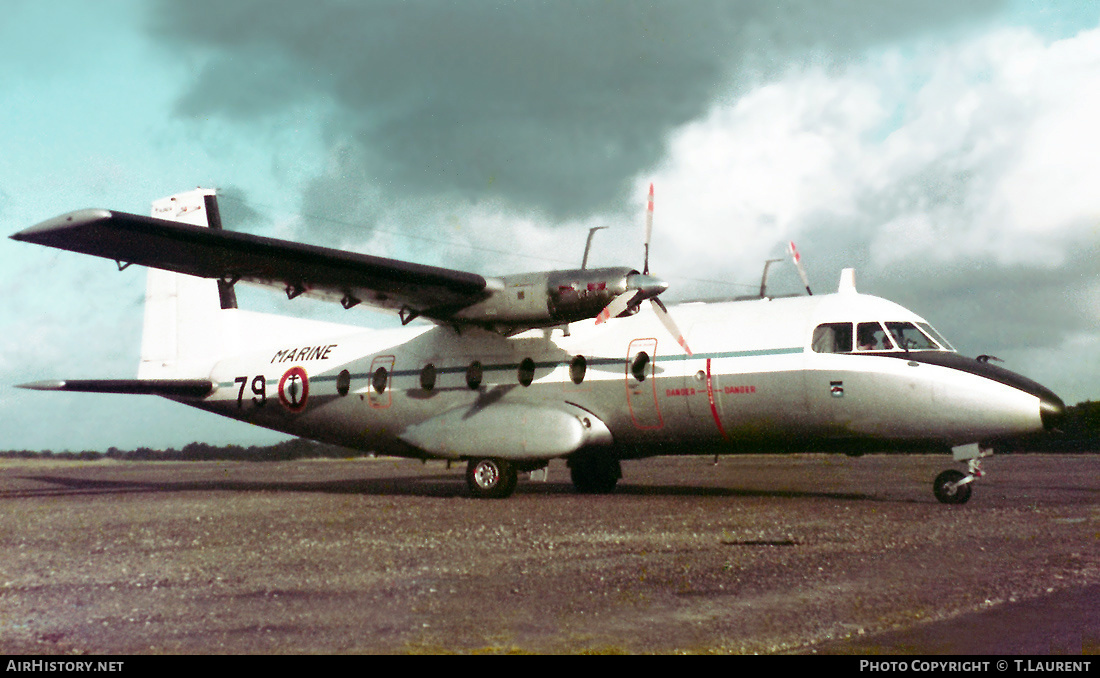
<point x="948" y="495"/>
<point x="491" y="478"/>
<point x="595" y="473"/>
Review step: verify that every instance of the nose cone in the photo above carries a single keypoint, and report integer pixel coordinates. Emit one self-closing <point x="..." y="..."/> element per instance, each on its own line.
<point x="1051" y="410"/>
<point x="648" y="286"/>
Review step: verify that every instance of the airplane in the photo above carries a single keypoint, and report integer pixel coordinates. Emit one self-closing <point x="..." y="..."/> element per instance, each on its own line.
<point x="514" y="371"/>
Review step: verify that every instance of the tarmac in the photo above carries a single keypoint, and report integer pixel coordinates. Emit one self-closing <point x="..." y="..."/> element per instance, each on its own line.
<point x="754" y="554"/>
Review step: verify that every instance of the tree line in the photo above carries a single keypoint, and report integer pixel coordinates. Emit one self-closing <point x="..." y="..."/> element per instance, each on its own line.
<point x="1080" y="432"/>
<point x="298" y="448"/>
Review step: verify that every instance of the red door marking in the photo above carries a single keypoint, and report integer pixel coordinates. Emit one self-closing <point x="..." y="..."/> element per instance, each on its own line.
<point x="713" y="405"/>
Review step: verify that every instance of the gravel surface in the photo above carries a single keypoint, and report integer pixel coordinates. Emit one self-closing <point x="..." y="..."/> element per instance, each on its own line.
<point x="757" y="554"/>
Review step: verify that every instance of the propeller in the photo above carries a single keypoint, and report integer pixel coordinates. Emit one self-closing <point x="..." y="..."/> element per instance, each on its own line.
<point x="642" y="286"/>
<point x="648" y="228"/>
<point x="798" y="263"/>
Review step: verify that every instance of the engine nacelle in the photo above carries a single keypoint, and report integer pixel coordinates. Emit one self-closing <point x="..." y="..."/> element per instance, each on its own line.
<point x="548" y="298"/>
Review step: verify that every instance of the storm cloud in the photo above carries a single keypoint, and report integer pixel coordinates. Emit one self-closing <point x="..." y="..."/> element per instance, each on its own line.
<point x="544" y="106"/>
<point x="760" y="121"/>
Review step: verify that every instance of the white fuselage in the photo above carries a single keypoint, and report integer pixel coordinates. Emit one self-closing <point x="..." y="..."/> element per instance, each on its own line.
<point x="754" y="382"/>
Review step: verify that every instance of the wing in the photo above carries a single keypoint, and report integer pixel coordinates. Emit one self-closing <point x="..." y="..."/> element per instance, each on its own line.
<point x="169" y="388"/>
<point x="296" y="268"/>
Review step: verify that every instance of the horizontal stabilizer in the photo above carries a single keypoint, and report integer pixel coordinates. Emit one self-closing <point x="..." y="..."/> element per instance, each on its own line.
<point x="231" y="256"/>
<point x="169" y="388"/>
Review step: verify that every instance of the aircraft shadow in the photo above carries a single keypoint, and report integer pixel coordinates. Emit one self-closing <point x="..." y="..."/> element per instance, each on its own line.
<point x="440" y="485"/>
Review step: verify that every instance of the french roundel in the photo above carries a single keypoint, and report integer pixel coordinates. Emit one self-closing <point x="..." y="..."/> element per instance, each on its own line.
<point x="294" y="389"/>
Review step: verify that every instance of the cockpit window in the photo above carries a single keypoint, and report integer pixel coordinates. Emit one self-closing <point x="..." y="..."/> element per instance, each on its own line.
<point x="909" y="338"/>
<point x="931" y="331"/>
<point x="871" y="337"/>
<point x="833" y="338"/>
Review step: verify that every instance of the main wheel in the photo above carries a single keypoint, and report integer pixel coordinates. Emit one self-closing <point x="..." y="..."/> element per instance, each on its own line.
<point x="947" y="491"/>
<point x="595" y="473"/>
<point x="491" y="478"/>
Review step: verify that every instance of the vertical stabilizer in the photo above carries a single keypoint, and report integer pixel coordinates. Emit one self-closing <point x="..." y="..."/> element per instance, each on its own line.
<point x="183" y="335"/>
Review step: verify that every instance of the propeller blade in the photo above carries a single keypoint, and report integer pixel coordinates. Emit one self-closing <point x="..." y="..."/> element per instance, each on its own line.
<point x="639" y="287"/>
<point x="670" y="324"/>
<point x="798" y="263"/>
<point x="648" y="229"/>
<point x="642" y="286"/>
<point x="617" y="306"/>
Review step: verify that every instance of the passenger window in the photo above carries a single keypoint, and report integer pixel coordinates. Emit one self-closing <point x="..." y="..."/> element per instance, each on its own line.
<point x="638" y="368"/>
<point x="871" y="337"/>
<point x="526" y="372"/>
<point x="427" y="377"/>
<point x="378" y="381"/>
<point x="473" y="375"/>
<point x="832" y="338"/>
<point x="577" y="368"/>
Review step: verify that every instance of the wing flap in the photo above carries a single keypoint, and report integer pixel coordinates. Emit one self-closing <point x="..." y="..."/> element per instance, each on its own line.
<point x="296" y="268"/>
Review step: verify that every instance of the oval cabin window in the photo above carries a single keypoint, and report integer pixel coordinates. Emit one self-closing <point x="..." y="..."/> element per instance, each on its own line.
<point x="474" y="375"/>
<point x="427" y="377"/>
<point x="638" y="368"/>
<point x="379" y="379"/>
<point x="577" y="368"/>
<point x="526" y="372"/>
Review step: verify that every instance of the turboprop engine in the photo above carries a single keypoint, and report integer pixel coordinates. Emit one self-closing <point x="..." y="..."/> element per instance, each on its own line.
<point x="557" y="297"/>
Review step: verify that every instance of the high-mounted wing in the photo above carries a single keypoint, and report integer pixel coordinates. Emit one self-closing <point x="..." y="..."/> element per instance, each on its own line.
<point x="295" y="268"/>
<point x="506" y="304"/>
<point x="169" y="388"/>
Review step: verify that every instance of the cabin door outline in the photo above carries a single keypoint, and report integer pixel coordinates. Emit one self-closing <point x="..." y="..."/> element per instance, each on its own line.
<point x="380" y="400"/>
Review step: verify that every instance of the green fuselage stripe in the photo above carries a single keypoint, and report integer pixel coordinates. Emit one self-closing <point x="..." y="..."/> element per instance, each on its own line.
<point x="551" y="365"/>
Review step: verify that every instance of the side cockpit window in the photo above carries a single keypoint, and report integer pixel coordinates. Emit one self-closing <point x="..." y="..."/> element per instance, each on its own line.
<point x="833" y="338"/>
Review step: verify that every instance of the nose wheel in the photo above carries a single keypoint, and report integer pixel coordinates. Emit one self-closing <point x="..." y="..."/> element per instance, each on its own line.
<point x="954" y="487"/>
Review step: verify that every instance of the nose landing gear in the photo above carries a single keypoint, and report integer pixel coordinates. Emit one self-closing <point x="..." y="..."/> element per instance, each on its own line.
<point x="953" y="487"/>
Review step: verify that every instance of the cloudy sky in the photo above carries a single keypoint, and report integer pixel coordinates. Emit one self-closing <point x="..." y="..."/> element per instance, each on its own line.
<point x="949" y="151"/>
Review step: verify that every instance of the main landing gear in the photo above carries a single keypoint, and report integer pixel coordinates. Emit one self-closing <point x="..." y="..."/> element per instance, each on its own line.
<point x="594" y="473"/>
<point x="491" y="478"/>
<point x="954" y="487"/>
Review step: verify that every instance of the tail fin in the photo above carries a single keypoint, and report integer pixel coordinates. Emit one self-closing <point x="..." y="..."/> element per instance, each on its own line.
<point x="185" y="326"/>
